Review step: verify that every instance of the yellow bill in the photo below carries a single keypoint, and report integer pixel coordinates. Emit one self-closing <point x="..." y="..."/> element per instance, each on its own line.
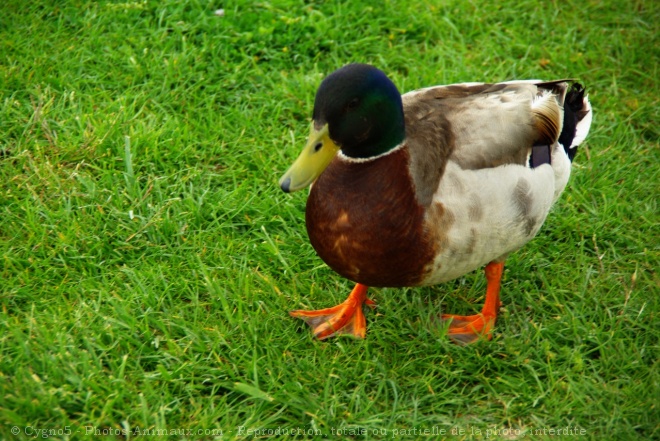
<point x="315" y="157"/>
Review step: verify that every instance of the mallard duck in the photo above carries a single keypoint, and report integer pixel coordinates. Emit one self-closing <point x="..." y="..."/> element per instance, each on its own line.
<point x="423" y="188"/>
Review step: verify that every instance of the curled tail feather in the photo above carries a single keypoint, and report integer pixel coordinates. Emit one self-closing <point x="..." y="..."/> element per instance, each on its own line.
<point x="577" y="119"/>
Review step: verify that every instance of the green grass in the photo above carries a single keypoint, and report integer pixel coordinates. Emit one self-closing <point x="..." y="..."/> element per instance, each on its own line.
<point x="148" y="258"/>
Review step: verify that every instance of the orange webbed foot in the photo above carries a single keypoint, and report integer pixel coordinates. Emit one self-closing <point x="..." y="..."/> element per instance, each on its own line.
<point x="465" y="329"/>
<point x="346" y="318"/>
<point x="468" y="329"/>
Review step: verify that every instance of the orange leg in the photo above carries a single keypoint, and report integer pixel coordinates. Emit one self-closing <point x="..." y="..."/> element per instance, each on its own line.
<point x="345" y="318"/>
<point x="467" y="329"/>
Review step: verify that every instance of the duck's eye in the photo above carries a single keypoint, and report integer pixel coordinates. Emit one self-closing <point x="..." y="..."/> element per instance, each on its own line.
<point x="352" y="104"/>
<point x="318" y="146"/>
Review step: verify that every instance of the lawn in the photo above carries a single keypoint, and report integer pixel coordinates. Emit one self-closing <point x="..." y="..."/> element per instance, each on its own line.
<point x="149" y="259"/>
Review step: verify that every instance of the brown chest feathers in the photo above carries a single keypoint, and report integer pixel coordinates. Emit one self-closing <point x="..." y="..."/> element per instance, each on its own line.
<point x="365" y="222"/>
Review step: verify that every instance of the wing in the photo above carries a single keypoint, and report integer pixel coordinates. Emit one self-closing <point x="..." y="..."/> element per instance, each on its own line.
<point x="486" y="125"/>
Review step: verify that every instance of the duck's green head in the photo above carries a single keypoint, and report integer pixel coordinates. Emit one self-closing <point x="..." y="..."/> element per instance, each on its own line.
<point x="357" y="110"/>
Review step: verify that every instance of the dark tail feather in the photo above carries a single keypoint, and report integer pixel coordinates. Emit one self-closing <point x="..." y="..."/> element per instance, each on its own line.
<point x="575" y="109"/>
